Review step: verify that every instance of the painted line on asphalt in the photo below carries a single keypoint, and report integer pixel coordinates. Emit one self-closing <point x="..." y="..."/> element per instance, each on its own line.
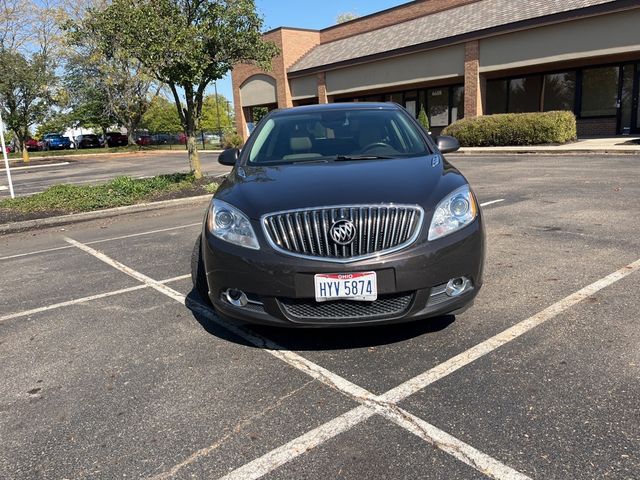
<point x="26" y="313"/>
<point x="141" y="277"/>
<point x="492" y="202"/>
<point x="416" y="384"/>
<point x="13" y="169"/>
<point x="92" y="242"/>
<point x="278" y="457"/>
<point x="436" y="437"/>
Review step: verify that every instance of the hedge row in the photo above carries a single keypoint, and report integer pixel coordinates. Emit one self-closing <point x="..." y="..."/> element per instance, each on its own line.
<point x="514" y="129"/>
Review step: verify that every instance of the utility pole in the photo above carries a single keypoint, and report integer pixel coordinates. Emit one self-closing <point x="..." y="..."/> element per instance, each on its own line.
<point x="6" y="160"/>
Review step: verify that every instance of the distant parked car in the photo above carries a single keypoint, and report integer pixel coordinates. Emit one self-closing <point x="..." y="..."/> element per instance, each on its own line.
<point x="55" y="141"/>
<point x="88" y="141"/>
<point x="144" y="140"/>
<point x="32" y="145"/>
<point x="115" y="139"/>
<point x="162" y="139"/>
<point x="210" y="138"/>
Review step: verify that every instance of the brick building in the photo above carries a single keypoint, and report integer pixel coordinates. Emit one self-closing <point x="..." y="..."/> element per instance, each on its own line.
<point x="461" y="58"/>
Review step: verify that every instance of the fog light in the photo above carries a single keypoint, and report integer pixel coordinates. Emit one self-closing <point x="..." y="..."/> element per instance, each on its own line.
<point x="457" y="286"/>
<point x="236" y="297"/>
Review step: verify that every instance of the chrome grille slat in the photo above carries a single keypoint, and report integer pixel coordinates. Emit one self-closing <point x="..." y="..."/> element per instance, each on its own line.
<point x="299" y="232"/>
<point x="378" y="229"/>
<point x="307" y="228"/>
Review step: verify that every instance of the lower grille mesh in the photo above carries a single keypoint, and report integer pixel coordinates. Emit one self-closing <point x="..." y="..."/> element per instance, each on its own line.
<point x="385" y="306"/>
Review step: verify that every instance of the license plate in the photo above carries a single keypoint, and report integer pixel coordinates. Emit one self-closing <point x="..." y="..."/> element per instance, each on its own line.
<point x="361" y="286"/>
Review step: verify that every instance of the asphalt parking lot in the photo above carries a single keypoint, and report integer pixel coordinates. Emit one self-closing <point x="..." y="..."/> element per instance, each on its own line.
<point x="106" y="373"/>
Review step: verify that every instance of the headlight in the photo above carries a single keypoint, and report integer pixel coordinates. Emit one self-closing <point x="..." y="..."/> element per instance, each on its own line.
<point x="457" y="210"/>
<point x="231" y="225"/>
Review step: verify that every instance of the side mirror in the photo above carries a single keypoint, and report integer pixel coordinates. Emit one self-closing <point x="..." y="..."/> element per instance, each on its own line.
<point x="229" y="157"/>
<point x="447" y="144"/>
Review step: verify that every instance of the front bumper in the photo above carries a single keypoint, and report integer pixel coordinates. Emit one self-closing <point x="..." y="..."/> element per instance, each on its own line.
<point x="281" y="287"/>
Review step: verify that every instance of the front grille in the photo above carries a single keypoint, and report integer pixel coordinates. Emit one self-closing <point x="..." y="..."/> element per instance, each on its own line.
<point x="375" y="230"/>
<point x="386" y="306"/>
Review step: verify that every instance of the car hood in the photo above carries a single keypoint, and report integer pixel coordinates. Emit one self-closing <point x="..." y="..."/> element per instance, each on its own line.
<point x="257" y="190"/>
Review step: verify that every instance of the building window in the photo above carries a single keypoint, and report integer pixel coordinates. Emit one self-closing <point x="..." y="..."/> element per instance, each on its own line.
<point x="438" y="102"/>
<point x="559" y="91"/>
<point x="524" y="94"/>
<point x="457" y="103"/>
<point x="496" y="96"/>
<point x="599" y="92"/>
<point x="410" y="102"/>
<point x="394" y="97"/>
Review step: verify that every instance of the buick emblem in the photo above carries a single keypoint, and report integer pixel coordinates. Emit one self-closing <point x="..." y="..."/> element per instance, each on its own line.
<point x="343" y="232"/>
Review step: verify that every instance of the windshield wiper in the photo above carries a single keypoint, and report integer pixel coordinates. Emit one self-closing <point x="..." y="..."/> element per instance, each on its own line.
<point x="346" y="158"/>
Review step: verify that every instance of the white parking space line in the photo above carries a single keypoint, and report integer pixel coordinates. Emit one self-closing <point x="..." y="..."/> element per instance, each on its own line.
<point x="26" y="313"/>
<point x="455" y="363"/>
<point x="485" y="204"/>
<point x="438" y="438"/>
<point x="102" y="240"/>
<point x="13" y="169"/>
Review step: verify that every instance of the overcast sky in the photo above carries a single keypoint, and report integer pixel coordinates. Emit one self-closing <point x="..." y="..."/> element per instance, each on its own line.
<point x="306" y="14"/>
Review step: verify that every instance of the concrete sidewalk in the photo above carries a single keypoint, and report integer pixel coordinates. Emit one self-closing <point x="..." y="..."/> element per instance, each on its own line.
<point x="600" y="145"/>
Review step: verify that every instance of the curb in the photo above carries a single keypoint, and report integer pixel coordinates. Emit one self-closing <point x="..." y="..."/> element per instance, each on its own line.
<point x="469" y="151"/>
<point x="109" y="212"/>
<point x="82" y="156"/>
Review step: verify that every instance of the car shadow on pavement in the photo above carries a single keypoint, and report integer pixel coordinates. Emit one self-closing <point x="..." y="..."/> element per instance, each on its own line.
<point x="302" y="339"/>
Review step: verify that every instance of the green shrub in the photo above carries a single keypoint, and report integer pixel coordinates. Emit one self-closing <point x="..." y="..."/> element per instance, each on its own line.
<point x="231" y="140"/>
<point x="514" y="129"/>
<point x="423" y="119"/>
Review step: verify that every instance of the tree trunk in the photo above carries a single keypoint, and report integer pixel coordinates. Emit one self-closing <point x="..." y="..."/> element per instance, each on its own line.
<point x="131" y="135"/>
<point x="194" y="156"/>
<point x="22" y="144"/>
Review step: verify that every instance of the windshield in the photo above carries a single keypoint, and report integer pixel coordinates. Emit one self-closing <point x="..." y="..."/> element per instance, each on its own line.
<point x="349" y="134"/>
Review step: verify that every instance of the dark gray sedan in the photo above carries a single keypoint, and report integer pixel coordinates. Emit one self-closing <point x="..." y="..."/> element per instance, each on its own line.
<point x="337" y="215"/>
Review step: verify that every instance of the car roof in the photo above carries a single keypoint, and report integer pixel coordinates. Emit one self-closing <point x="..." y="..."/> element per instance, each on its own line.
<point x="324" y="107"/>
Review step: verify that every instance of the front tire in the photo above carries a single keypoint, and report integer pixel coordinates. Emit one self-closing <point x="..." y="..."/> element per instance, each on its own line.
<point x="198" y="274"/>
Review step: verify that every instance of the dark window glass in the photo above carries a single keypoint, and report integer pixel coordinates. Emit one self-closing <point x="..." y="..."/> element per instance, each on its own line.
<point x="457" y="103"/>
<point x="309" y="136"/>
<point x="599" y="91"/>
<point x="496" y="96"/>
<point x="411" y="102"/>
<point x="559" y="91"/>
<point x="438" y="101"/>
<point x="626" y="100"/>
<point x="394" y="97"/>
<point x="422" y="100"/>
<point x="524" y="94"/>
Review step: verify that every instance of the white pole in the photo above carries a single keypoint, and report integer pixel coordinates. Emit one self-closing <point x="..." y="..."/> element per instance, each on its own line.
<point x="6" y="160"/>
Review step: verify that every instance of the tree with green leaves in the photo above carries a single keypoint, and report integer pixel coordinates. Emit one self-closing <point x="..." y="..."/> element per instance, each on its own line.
<point x="27" y="91"/>
<point x="346" y="17"/>
<point x="216" y="114"/>
<point x="106" y="90"/>
<point x="162" y="116"/>
<point x="184" y="44"/>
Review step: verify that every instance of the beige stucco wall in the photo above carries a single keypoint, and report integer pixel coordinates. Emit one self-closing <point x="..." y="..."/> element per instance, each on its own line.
<point x="603" y="35"/>
<point x="431" y="65"/>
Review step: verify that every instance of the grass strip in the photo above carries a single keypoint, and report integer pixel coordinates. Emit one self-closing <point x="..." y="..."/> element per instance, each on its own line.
<point x="118" y="192"/>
